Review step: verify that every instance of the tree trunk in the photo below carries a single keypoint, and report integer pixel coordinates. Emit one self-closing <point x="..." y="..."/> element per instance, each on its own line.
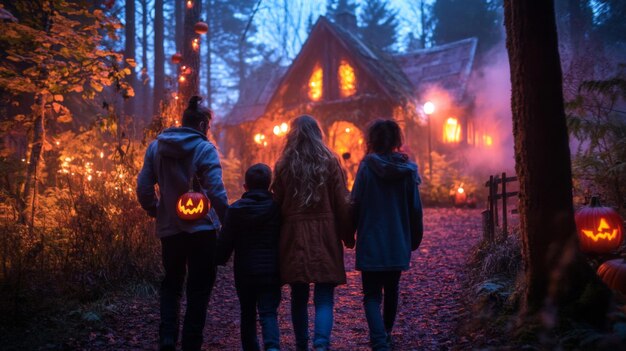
<point x="191" y="55"/>
<point x="30" y="185"/>
<point x="209" y="61"/>
<point x="145" y="77"/>
<point x="159" y="57"/>
<point x="555" y="273"/>
<point x="129" y="52"/>
<point x="179" y="19"/>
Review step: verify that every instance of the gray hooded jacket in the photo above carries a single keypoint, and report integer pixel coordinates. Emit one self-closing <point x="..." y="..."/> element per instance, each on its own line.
<point x="177" y="154"/>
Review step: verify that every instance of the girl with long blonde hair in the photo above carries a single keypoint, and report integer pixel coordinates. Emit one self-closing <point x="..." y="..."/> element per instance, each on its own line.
<point x="310" y="186"/>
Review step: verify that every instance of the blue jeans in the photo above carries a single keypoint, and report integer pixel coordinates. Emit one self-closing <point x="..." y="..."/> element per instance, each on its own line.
<point x="267" y="299"/>
<point x="380" y="325"/>
<point x="324" y="301"/>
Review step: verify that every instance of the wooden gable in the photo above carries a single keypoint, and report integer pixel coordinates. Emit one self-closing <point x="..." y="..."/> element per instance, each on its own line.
<point x="325" y="49"/>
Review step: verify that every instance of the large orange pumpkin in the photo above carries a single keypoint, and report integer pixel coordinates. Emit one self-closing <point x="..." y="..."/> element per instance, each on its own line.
<point x="599" y="228"/>
<point x="192" y="205"/>
<point x="613" y="274"/>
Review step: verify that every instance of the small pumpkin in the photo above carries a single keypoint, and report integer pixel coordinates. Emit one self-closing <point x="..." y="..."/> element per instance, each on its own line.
<point x="613" y="274"/>
<point x="192" y="205"/>
<point x="177" y="58"/>
<point x="599" y="228"/>
<point x="201" y="28"/>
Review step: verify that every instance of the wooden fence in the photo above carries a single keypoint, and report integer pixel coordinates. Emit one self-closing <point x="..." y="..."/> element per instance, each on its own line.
<point x="497" y="191"/>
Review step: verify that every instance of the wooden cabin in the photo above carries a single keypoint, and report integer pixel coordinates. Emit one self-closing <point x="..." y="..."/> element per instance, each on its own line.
<point x="345" y="83"/>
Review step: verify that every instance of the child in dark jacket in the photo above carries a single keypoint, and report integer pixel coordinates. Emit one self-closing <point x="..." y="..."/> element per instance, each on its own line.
<point x="388" y="212"/>
<point x="251" y="228"/>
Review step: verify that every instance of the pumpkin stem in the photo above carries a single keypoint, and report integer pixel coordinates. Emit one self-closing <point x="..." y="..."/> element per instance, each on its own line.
<point x="595" y="202"/>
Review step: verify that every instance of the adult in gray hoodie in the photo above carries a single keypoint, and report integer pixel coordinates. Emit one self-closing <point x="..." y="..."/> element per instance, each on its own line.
<point x="176" y="157"/>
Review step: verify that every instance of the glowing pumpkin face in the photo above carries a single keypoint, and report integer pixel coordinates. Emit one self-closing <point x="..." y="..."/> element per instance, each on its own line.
<point x="192" y="205"/>
<point x="599" y="228"/>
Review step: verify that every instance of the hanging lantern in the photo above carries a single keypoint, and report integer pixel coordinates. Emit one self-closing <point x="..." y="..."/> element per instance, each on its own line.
<point x="177" y="58"/>
<point x="201" y="28"/>
<point x="599" y="228"/>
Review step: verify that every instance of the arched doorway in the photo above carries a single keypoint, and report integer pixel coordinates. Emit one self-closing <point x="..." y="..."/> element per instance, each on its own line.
<point x="347" y="140"/>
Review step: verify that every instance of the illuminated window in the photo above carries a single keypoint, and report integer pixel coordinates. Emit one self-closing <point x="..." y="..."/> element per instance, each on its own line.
<point x="487" y="140"/>
<point x="347" y="79"/>
<point x="315" y="83"/>
<point x="451" y="131"/>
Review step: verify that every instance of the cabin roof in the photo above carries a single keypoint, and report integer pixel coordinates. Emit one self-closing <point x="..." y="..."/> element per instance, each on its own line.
<point x="255" y="95"/>
<point x="447" y="66"/>
<point x="380" y="65"/>
<point x="402" y="77"/>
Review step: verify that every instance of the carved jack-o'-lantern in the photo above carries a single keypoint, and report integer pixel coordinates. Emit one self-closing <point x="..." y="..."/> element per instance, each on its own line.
<point x="192" y="205"/>
<point x="599" y="228"/>
<point x="613" y="274"/>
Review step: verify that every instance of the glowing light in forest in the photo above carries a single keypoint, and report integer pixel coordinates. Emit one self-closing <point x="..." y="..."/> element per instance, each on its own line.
<point x="189" y="4"/>
<point x="280" y="129"/>
<point x="429" y="108"/>
<point x="487" y="140"/>
<point x="348" y="130"/>
<point x="451" y="131"/>
<point x="101" y="154"/>
<point x="347" y="79"/>
<point x="181" y="79"/>
<point x="315" y="84"/>
<point x="195" y="45"/>
<point x="258" y="138"/>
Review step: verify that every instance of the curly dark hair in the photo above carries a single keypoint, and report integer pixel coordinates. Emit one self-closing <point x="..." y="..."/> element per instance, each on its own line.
<point x="383" y="136"/>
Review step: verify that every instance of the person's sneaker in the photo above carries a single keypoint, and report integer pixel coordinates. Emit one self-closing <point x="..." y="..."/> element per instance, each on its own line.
<point x="389" y="341"/>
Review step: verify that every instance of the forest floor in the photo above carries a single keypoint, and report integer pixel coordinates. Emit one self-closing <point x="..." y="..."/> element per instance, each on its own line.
<point x="432" y="302"/>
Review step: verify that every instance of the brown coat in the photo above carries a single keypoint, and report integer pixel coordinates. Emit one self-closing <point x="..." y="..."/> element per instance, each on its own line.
<point x="311" y="249"/>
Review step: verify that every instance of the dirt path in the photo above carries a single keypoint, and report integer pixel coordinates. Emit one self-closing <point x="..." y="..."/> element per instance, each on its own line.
<point x="427" y="316"/>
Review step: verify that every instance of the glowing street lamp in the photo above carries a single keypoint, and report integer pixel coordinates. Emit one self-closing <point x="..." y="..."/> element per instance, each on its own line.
<point x="429" y="109"/>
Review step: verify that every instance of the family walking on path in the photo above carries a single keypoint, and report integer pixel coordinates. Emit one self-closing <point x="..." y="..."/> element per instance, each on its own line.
<point x="293" y="234"/>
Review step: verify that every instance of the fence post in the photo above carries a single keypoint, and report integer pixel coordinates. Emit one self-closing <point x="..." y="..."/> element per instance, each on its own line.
<point x="491" y="205"/>
<point x="487" y="229"/>
<point x="496" y="222"/>
<point x="504" y="213"/>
